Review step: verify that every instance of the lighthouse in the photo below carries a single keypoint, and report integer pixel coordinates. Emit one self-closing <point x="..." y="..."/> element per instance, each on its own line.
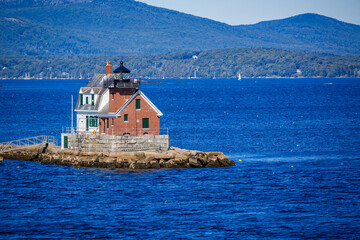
<point x="113" y="104"/>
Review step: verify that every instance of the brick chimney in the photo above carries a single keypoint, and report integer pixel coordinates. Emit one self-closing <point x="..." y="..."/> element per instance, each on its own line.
<point x="108" y="68"/>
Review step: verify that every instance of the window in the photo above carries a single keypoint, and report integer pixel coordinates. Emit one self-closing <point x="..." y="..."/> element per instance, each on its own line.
<point x="87" y="100"/>
<point x="145" y="123"/>
<point x="138" y="104"/>
<point x="81" y="99"/>
<point x="126" y="118"/>
<point x="112" y="122"/>
<point x="113" y="96"/>
<point x="107" y="123"/>
<point x="92" y="121"/>
<point x="92" y="99"/>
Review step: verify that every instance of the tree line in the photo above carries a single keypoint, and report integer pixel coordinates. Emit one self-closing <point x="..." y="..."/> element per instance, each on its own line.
<point x="224" y="63"/>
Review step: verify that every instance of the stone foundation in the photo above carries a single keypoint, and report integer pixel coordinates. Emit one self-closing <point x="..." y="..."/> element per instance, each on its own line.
<point x="114" y="143"/>
<point x="173" y="158"/>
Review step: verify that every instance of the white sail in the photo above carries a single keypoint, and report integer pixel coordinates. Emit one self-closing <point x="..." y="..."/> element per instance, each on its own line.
<point x="239" y="77"/>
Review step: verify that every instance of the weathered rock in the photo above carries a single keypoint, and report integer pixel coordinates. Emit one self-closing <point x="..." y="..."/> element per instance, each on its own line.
<point x="173" y="158"/>
<point x="149" y="158"/>
<point x="224" y="160"/>
<point x="118" y="164"/>
<point x="171" y="164"/>
<point x="181" y="161"/>
<point x="124" y="163"/>
<point x="195" y="163"/>
<point x="67" y="152"/>
<point x="154" y="164"/>
<point x="108" y="160"/>
<point x="121" y="154"/>
<point x="213" y="163"/>
<point x="181" y="157"/>
<point x="141" y="164"/>
<point x="175" y="149"/>
<point x="161" y="155"/>
<point x="86" y="154"/>
<point x="140" y="155"/>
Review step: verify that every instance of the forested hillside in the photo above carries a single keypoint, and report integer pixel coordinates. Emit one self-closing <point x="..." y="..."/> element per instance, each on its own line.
<point x="226" y="63"/>
<point x="127" y="27"/>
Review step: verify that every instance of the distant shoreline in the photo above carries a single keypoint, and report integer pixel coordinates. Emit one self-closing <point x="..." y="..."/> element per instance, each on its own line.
<point x="189" y="78"/>
<point x="210" y="64"/>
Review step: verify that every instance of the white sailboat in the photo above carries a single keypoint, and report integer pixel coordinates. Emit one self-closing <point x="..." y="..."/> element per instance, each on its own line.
<point x="239" y="77"/>
<point x="27" y="76"/>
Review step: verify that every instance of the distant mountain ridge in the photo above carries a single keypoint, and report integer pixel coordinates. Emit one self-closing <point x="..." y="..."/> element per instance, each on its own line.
<point x="124" y="27"/>
<point x="36" y="3"/>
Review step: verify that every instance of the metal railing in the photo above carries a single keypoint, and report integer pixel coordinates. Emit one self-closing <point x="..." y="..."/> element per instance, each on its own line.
<point x="117" y="131"/>
<point x="27" y="142"/>
<point x="69" y="130"/>
<point x="122" y="83"/>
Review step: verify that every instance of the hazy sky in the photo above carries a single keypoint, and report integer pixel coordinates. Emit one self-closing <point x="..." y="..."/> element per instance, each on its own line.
<point x="236" y="12"/>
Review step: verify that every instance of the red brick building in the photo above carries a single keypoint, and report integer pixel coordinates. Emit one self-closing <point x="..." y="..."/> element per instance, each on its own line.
<point x="117" y="106"/>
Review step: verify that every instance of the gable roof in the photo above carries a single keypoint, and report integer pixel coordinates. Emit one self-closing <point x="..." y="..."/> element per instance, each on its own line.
<point x="139" y="92"/>
<point x="96" y="85"/>
<point x="96" y="81"/>
<point x="84" y="90"/>
<point x="88" y="107"/>
<point x="104" y="110"/>
<point x="97" y="90"/>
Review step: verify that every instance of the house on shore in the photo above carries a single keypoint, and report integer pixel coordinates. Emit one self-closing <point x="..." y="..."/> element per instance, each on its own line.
<point x="112" y="104"/>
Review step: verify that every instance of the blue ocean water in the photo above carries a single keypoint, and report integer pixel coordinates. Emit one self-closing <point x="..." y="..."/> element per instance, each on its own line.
<point x="299" y="174"/>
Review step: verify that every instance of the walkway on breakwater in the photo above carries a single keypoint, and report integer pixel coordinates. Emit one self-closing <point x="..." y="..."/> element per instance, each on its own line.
<point x="27" y="143"/>
<point x="173" y="158"/>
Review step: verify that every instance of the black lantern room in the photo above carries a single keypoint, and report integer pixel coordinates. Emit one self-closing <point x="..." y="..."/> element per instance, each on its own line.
<point x="122" y="72"/>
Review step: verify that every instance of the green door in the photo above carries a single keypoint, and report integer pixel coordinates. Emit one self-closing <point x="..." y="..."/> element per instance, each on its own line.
<point x="65" y="141"/>
<point x="145" y="123"/>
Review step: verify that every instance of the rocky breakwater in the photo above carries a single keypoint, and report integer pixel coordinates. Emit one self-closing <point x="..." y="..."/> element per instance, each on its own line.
<point x="173" y="158"/>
